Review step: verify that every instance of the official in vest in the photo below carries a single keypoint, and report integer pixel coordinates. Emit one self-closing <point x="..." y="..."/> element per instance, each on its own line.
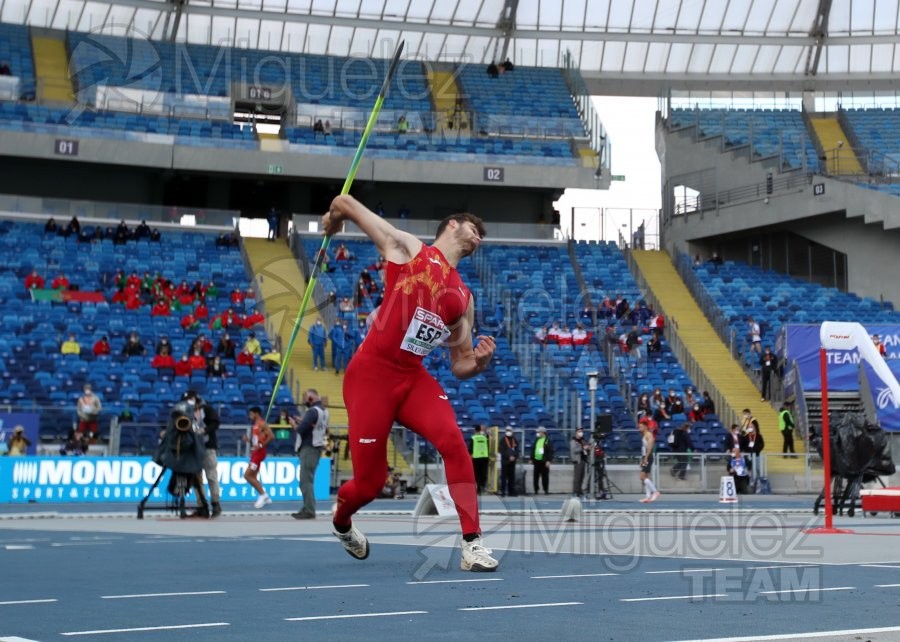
<point x="311" y="434"/>
<point x="478" y="448"/>
<point x="541" y="454"/>
<point x="786" y="425"/>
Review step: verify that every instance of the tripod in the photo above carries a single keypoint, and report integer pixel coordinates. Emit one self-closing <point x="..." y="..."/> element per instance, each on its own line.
<point x="422" y="480"/>
<point x="601" y="477"/>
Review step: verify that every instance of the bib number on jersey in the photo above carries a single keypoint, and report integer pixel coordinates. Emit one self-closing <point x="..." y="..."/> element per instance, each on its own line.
<point x="426" y="331"/>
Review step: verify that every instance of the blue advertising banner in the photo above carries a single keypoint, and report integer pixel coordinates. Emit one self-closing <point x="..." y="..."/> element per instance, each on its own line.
<point x="30" y="422"/>
<point x="887" y="412"/>
<point x="802" y="346"/>
<point x="128" y="479"/>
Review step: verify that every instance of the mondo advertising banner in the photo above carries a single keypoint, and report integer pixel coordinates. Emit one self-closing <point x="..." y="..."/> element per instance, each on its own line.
<point x="129" y="479"/>
<point x="802" y="346"/>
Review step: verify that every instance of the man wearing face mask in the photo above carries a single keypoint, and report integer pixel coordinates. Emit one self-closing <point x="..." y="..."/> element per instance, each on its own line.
<point x="580" y="451"/>
<point x="312" y="432"/>
<point x="317" y="339"/>
<point x="509" y="455"/>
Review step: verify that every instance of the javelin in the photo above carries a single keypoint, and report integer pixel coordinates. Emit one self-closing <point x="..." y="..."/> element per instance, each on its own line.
<point x="320" y="256"/>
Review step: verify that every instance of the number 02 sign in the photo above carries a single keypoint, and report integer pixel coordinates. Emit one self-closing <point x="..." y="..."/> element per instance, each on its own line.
<point x="493" y="174"/>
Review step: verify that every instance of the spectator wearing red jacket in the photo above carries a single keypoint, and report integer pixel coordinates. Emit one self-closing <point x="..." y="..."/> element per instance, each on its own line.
<point x="189" y="322"/>
<point x="183" y="367"/>
<point x="164" y="359"/>
<point x="34" y="280"/>
<point x="120" y="296"/>
<point x="132" y="299"/>
<point x="60" y="282"/>
<point x="197" y="360"/>
<point x="253" y="319"/>
<point x="244" y="358"/>
<point x="101" y="347"/>
<point x="237" y="297"/>
<point x="183" y="288"/>
<point x="186" y="299"/>
<point x="161" y="309"/>
<point x="201" y="312"/>
<point x="202" y="344"/>
<point x="134" y="281"/>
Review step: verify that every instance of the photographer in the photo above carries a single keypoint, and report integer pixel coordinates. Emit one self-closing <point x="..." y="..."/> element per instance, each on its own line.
<point x="206" y="424"/>
<point x="312" y="431"/>
<point x="600" y="471"/>
<point x="580" y="451"/>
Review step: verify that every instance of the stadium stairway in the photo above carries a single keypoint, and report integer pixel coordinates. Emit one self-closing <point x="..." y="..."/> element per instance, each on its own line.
<point x="840" y="158"/>
<point x="445" y="95"/>
<point x="687" y="321"/>
<point x="281" y="287"/>
<point x="51" y="66"/>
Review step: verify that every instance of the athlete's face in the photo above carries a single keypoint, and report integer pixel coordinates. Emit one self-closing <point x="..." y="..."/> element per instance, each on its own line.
<point x="467" y="236"/>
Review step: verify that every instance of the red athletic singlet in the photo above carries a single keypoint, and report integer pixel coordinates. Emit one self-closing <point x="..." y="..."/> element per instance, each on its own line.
<point x="423" y="299"/>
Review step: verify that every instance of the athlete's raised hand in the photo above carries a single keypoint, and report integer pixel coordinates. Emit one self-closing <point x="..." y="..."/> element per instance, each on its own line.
<point x="484" y="351"/>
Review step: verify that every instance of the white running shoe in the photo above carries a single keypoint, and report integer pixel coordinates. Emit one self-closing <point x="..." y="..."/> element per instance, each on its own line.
<point x="354" y="542"/>
<point x="475" y="557"/>
<point x="653" y="497"/>
<point x="262" y="501"/>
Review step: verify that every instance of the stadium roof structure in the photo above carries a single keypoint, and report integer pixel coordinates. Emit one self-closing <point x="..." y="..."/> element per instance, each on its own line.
<point x="629" y="47"/>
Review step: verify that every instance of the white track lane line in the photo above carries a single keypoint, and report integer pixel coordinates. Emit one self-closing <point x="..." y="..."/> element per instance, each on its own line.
<point x="685" y="570"/>
<point x="809" y="590"/>
<point x="802" y="636"/>
<point x="520" y="606"/>
<point x="486" y="579"/>
<point x="19" y="547"/>
<point x="562" y="577"/>
<point x="312" y="588"/>
<point x="351" y="615"/>
<point x="15" y="602"/>
<point x="172" y="627"/>
<point x="879" y="566"/>
<point x="140" y="595"/>
<point x="672" y="597"/>
<point x="887" y="585"/>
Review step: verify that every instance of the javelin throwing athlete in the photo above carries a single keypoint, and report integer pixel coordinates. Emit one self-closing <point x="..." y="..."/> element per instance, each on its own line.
<point x="425" y="305"/>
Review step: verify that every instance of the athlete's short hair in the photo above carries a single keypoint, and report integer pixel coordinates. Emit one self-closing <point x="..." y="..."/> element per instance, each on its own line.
<point x="256" y="409"/>
<point x="462" y="217"/>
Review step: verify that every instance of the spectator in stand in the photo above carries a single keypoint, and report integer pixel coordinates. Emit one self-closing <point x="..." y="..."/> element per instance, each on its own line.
<point x="402" y="125"/>
<point x="102" y="347"/>
<point x="60" y="282"/>
<point x="553" y="333"/>
<point x="97" y="236"/>
<point x="580" y="336"/>
<point x="202" y="344"/>
<point x="163" y="359"/>
<point x="120" y="296"/>
<point x="507" y="65"/>
<point x="326" y="128"/>
<point x="643" y="408"/>
<point x="183" y="368"/>
<point x="318" y="127"/>
<point x="133" y="299"/>
<point x="767" y="364"/>
<point x="345" y="305"/>
<point x="876" y="339"/>
<point x="201" y="312"/>
<point x="633" y="344"/>
<point x="216" y="368"/>
<point x="696" y="412"/>
<point x="338" y="339"/>
<point x="230" y="319"/>
<point x="540" y="335"/>
<point x="122" y="230"/>
<point x="133" y="281"/>
<point x="142" y="231"/>
<point x="70" y="346"/>
<point x="252" y="344"/>
<point x="161" y="308"/>
<point x="271" y="359"/>
<point x="317" y="339"/>
<point x="654" y="345"/>
<point x="162" y="343"/>
<point x="197" y="360"/>
<point x="709" y="407"/>
<point x="185" y="299"/>
<point x="674" y="404"/>
<point x="272" y="220"/>
<point x="244" y="358"/>
<point x="34" y="281"/>
<point x="134" y="347"/>
<point x="606" y="308"/>
<point x="659" y="406"/>
<point x="198" y="289"/>
<point x="493" y="70"/>
<point x="155" y="236"/>
<point x="189" y="322"/>
<point x="755" y="336"/>
<point x="251" y="320"/>
<point x="657" y="323"/>
<point x="342" y="253"/>
<point x="88" y="410"/>
<point x="733" y="438"/>
<point x="226" y="347"/>
<point x="623" y="309"/>
<point x="51" y="227"/>
<point x="74" y="227"/>
<point x="183" y="288"/>
<point x="564" y="338"/>
<point x="689" y="398"/>
<point x="362" y="292"/>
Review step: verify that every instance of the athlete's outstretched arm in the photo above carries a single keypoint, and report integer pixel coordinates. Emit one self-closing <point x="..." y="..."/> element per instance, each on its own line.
<point x="467" y="360"/>
<point x="394" y="245"/>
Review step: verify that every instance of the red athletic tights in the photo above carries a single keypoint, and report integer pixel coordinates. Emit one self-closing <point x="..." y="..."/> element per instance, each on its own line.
<point x="376" y="394"/>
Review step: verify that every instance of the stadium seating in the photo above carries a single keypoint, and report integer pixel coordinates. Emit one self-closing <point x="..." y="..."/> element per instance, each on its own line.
<point x="35" y="373"/>
<point x="769" y="132"/>
<point x="772" y="299"/>
<point x="877" y="131"/>
<point x="15" y="50"/>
